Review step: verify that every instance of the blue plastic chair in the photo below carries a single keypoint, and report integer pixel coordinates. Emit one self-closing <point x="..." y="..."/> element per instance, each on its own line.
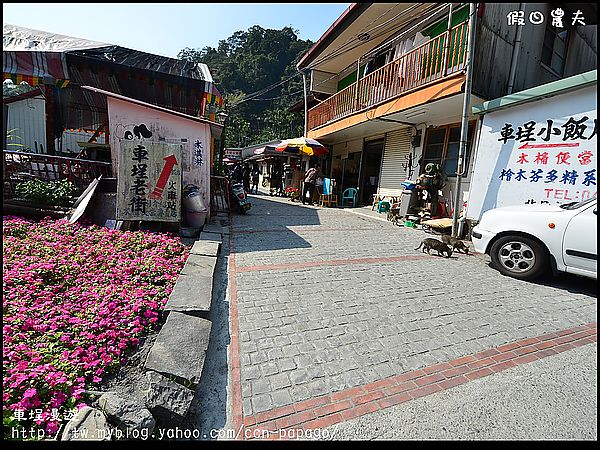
<point x="327" y="186"/>
<point x="349" y="194"/>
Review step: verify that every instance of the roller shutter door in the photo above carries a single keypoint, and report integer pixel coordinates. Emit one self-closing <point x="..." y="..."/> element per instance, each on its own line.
<point x="395" y="153"/>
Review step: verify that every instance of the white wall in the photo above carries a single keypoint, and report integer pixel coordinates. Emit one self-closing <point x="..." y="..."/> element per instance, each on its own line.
<point x="123" y="116"/>
<point x="28" y="117"/>
<point x="490" y="190"/>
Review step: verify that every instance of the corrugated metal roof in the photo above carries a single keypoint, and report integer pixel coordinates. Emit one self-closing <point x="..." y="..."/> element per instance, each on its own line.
<point x="538" y="92"/>
<point x="173" y="84"/>
<point x="21" y="39"/>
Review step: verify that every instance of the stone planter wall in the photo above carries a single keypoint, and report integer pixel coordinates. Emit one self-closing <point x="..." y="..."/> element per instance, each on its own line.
<point x="174" y="364"/>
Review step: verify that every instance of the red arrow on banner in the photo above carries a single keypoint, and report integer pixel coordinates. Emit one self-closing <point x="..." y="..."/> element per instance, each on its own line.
<point x="170" y="162"/>
<point x="526" y="145"/>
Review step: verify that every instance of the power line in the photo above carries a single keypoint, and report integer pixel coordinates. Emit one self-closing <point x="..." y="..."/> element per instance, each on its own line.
<point x="264" y="90"/>
<point x="336" y="52"/>
<point x="333" y="54"/>
<point x="340" y="50"/>
<point x="436" y="11"/>
<point x="396" y="38"/>
<point x="391" y="29"/>
<point x="277" y="98"/>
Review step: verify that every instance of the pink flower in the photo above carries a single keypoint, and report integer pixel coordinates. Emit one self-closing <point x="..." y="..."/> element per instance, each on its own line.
<point x="51" y="428"/>
<point x="76" y="297"/>
<point x="22" y="365"/>
<point x="30" y="393"/>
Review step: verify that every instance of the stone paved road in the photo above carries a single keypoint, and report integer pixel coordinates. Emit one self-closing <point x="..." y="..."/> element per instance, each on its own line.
<point x="328" y="300"/>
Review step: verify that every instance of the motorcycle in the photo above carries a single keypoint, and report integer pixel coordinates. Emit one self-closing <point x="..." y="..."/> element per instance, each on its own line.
<point x="239" y="198"/>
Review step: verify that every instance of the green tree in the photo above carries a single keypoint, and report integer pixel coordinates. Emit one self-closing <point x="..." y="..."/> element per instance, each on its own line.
<point x="248" y="62"/>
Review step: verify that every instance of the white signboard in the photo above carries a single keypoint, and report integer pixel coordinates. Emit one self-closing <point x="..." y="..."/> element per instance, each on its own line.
<point x="149" y="181"/>
<point x="231" y="153"/>
<point x="539" y="152"/>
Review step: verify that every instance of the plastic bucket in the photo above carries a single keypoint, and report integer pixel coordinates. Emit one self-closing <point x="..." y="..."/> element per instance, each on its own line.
<point x="193" y="202"/>
<point x="195" y="219"/>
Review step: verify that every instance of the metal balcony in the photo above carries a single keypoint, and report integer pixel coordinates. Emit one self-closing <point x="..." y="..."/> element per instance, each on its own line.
<point x="428" y="63"/>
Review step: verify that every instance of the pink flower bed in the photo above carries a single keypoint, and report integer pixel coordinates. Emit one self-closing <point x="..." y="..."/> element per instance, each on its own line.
<point x="75" y="300"/>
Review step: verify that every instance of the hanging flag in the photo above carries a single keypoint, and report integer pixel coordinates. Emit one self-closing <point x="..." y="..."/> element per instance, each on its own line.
<point x="17" y="78"/>
<point x="217" y="95"/>
<point x="61" y="83"/>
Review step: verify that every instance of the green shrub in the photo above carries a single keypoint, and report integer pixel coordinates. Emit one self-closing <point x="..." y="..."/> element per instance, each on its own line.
<point x="56" y="193"/>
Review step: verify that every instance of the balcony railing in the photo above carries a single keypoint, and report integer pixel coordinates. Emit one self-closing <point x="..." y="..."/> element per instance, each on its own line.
<point x="434" y="60"/>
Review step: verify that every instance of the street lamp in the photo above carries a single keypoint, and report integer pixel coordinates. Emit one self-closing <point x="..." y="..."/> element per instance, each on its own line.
<point x="223" y="117"/>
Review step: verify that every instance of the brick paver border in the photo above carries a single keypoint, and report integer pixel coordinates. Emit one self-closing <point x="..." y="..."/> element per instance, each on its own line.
<point x="235" y="372"/>
<point x="327" y="410"/>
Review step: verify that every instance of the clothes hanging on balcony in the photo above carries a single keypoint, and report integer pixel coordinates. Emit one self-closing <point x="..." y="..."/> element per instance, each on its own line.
<point x="420" y="39"/>
<point x="407" y="76"/>
<point x="368" y="68"/>
<point x="389" y="55"/>
<point x="401" y="49"/>
<point x="375" y="63"/>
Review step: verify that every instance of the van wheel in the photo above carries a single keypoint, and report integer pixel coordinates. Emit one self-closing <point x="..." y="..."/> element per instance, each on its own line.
<point x="519" y="257"/>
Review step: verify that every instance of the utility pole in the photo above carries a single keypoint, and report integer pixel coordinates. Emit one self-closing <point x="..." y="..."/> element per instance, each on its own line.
<point x="447" y="41"/>
<point x="465" y="116"/>
<point x="223" y="116"/>
<point x="305" y="104"/>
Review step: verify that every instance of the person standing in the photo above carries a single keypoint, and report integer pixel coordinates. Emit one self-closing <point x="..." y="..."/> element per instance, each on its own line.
<point x="246" y="177"/>
<point x="310" y="178"/>
<point x="255" y="176"/>
<point x="281" y="179"/>
<point x="277" y="179"/>
<point x="237" y="175"/>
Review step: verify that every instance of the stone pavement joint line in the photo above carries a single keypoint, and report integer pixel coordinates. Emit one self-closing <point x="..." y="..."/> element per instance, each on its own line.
<point x="327" y="410"/>
<point x="294" y="230"/>
<point x="331" y="262"/>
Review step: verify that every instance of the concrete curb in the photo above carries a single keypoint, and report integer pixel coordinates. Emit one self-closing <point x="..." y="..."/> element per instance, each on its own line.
<point x="176" y="359"/>
<point x="174" y="364"/>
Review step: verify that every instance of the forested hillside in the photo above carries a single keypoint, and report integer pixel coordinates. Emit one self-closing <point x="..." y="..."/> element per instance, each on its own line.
<point x="248" y="63"/>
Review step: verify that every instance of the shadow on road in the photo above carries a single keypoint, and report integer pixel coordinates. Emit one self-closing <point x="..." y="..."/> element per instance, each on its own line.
<point x="571" y="283"/>
<point x="574" y="284"/>
<point x="266" y="226"/>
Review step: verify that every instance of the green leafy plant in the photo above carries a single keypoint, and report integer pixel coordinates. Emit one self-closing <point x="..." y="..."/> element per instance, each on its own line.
<point x="11" y="136"/>
<point x="56" y="193"/>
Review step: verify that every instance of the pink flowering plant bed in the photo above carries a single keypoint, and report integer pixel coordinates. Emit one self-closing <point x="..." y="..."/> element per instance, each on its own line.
<point x="76" y="300"/>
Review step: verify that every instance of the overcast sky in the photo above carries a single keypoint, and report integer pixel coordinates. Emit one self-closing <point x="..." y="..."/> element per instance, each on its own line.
<point x="167" y="28"/>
